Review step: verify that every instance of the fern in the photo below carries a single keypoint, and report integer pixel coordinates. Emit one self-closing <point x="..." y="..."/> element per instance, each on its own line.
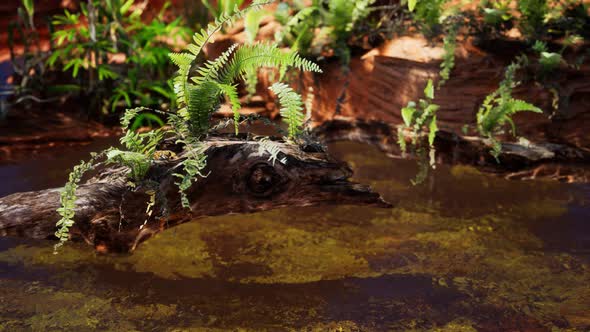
<point x="265" y="145"/>
<point x="185" y="60"/>
<point x="499" y="106"/>
<point x="449" y="45"/>
<point x="420" y="118"/>
<point x="197" y="99"/>
<point x="428" y="14"/>
<point x="193" y="167"/>
<point x="215" y="78"/>
<point x="291" y="108"/>
<point x="252" y="23"/>
<point x="336" y="24"/>
<point x="195" y="160"/>
<point x="263" y="55"/>
<point x="138" y="163"/>
<point x="68" y="200"/>
<point x="300" y="25"/>
<point x="232" y="93"/>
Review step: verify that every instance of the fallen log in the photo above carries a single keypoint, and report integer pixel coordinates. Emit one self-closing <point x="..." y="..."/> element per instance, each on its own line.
<point x="111" y="215"/>
<point x="518" y="160"/>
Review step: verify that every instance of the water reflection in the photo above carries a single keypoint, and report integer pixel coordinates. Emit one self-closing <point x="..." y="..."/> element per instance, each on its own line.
<point x="464" y="252"/>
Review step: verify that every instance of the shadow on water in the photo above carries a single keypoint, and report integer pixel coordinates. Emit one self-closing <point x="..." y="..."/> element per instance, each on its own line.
<point x="463" y="252"/>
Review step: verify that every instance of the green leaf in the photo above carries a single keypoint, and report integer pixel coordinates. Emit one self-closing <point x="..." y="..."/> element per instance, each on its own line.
<point x="550" y="59"/>
<point x="252" y="23"/>
<point x="412" y="5"/>
<point x="105" y="73"/>
<point x="429" y="90"/>
<point x="432" y="129"/>
<point x="146" y="119"/>
<point x="29" y="7"/>
<point x="408" y="114"/>
<point x="125" y="7"/>
<point x="291" y="107"/>
<point x="517" y="105"/>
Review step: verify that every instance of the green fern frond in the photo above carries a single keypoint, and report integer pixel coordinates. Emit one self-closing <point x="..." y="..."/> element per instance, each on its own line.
<point x="294" y="24"/>
<point x="499" y="106"/>
<point x="203" y="100"/>
<point x="129" y="115"/>
<point x="252" y="23"/>
<point x="210" y="70"/>
<point x="68" y="199"/>
<point x="291" y="107"/>
<point x="193" y="166"/>
<point x="217" y="77"/>
<point x="273" y="148"/>
<point x="449" y="46"/>
<point x="251" y="57"/>
<point x="138" y="163"/>
<point x="185" y="60"/>
<point x="232" y="93"/>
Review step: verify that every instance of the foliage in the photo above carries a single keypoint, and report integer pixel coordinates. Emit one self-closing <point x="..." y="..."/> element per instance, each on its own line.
<point x="222" y="7"/>
<point x="532" y="17"/>
<point x="499" y="106"/>
<point x="420" y="118"/>
<point x="87" y="42"/>
<point x="448" y="63"/>
<point x="429" y="15"/>
<point x="68" y="199"/>
<point x="251" y="26"/>
<point x="336" y="21"/>
<point x="199" y="99"/>
<point x="291" y="107"/>
<point x="569" y="16"/>
<point x="196" y="98"/>
<point x="496" y="13"/>
<point x="265" y="145"/>
<point x="536" y="19"/>
<point x="29" y="83"/>
<point x="549" y="61"/>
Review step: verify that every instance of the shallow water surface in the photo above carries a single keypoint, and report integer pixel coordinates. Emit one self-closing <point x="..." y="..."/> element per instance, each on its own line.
<point x="464" y="251"/>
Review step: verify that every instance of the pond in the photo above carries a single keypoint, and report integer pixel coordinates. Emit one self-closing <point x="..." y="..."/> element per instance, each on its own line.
<point x="464" y="251"/>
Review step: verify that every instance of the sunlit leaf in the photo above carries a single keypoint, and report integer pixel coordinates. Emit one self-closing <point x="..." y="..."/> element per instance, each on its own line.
<point x="407" y="115"/>
<point x="429" y="90"/>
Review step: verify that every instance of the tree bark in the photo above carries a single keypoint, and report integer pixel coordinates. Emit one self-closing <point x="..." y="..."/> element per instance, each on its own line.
<point x="517" y="160"/>
<point x="111" y="215"/>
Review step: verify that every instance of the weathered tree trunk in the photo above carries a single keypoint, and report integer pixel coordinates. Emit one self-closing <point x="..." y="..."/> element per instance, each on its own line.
<point x="518" y="160"/>
<point x="112" y="216"/>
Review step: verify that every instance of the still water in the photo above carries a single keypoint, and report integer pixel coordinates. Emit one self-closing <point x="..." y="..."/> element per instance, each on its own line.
<point x="464" y="251"/>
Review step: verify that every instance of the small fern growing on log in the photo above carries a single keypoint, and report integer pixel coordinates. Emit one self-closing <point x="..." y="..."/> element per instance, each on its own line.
<point x="198" y="96"/>
<point x="291" y="108"/>
<point x="499" y="107"/>
<point x="67" y="200"/>
<point x="201" y="97"/>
